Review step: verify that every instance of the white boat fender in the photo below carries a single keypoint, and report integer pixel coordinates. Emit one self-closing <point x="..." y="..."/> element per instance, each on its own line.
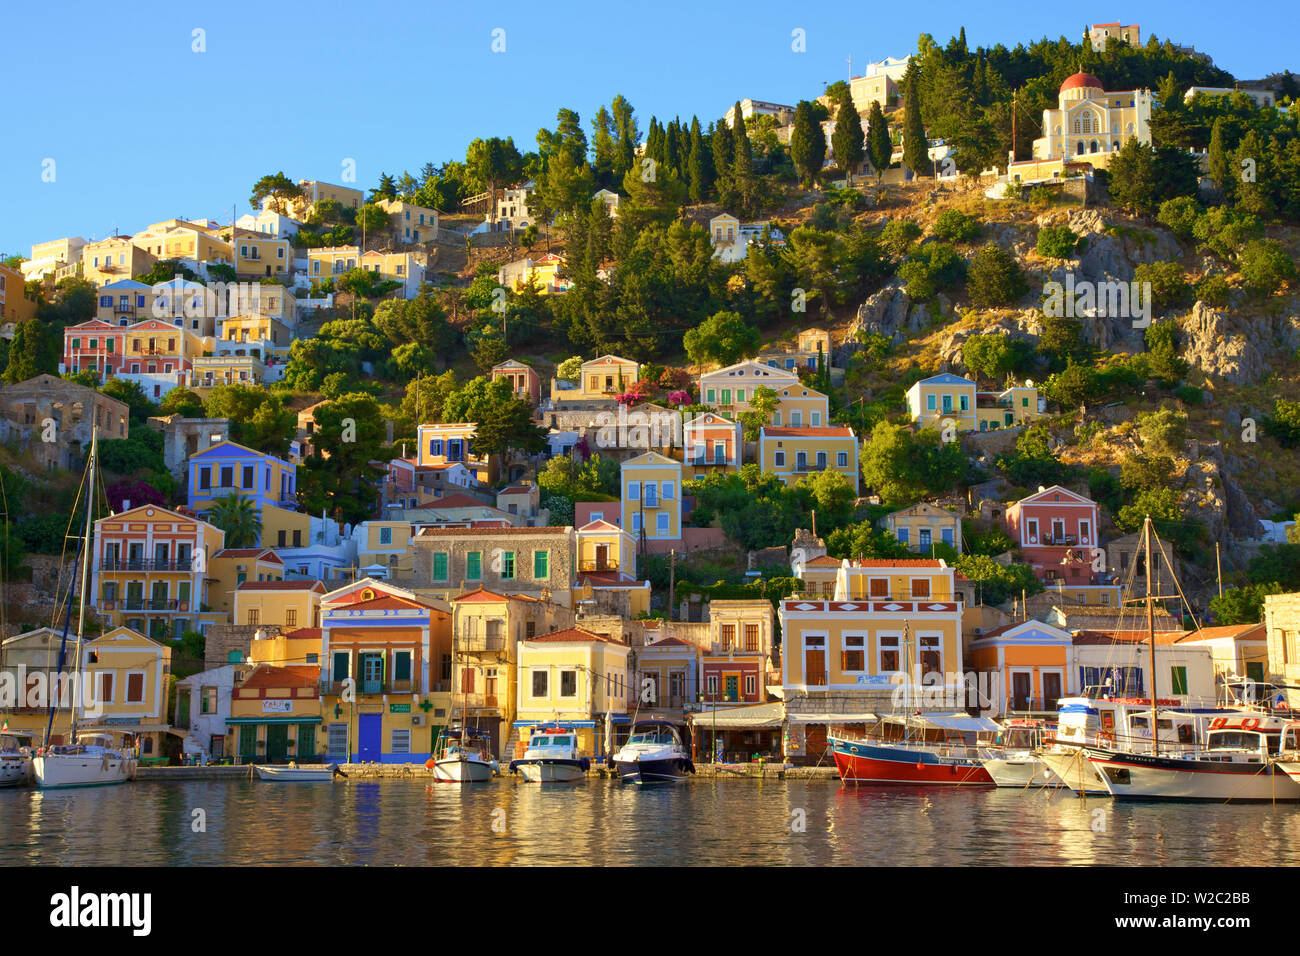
<point x="106" y="763"/>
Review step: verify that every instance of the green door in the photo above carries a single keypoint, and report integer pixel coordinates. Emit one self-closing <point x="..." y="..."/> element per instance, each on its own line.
<point x="248" y="742"/>
<point x="277" y="742"/>
<point x="1255" y="671"/>
<point x="306" y="742"/>
<point x="733" y="687"/>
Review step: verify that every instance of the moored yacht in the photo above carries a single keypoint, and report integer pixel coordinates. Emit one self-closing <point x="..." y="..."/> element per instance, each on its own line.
<point x="919" y="750"/>
<point x="97" y="759"/>
<point x="653" y="754"/>
<point x="15" y="758"/>
<point x="552" y="756"/>
<point x="1011" y="760"/>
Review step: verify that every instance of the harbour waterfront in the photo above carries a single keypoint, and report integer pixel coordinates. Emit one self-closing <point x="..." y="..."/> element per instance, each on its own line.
<point x="714" y="822"/>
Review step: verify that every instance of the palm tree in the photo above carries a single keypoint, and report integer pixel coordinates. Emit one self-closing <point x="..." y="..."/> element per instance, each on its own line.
<point x="238" y="518"/>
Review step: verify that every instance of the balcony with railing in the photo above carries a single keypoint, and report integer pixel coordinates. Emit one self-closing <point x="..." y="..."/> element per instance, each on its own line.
<point x="144" y="604"/>
<point x="478" y="701"/>
<point x="481" y="644"/>
<point x="607" y="564"/>
<point x="140" y="564"/>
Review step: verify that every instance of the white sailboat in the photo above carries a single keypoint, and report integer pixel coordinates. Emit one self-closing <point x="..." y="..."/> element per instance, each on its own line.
<point x="15" y="758"/>
<point x="95" y="758"/>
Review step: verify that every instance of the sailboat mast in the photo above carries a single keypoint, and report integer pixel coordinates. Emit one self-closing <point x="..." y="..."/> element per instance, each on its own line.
<point x="85" y="578"/>
<point x="1151" y="638"/>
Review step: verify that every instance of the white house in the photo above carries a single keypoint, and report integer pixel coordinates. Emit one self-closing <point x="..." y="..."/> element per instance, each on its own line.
<point x="202" y="706"/>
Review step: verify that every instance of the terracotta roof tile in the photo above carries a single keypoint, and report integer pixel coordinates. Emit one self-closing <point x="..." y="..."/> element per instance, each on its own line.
<point x="823" y="432"/>
<point x="573" y="634"/>
<point x="269" y="675"/>
<point x="282" y="586"/>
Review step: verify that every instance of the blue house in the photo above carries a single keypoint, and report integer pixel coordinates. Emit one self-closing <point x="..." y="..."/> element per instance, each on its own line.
<point x="271" y="483"/>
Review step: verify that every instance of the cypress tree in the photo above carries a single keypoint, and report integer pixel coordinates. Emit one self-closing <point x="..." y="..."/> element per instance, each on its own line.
<point x="880" y="148"/>
<point x="700" y="171"/>
<point x="846" y="141"/>
<point x="807" y="143"/>
<point x="1220" y="171"/>
<point x="916" y="155"/>
<point x="723" y="148"/>
<point x="744" y="162"/>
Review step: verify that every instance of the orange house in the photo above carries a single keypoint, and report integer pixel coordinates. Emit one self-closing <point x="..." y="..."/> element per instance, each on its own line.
<point x="1022" y="668"/>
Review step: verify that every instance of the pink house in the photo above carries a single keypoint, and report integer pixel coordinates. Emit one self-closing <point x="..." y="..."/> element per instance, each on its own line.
<point x="1056" y="530"/>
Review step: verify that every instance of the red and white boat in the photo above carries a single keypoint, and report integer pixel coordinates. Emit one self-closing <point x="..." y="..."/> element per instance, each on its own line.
<point x="918" y="750"/>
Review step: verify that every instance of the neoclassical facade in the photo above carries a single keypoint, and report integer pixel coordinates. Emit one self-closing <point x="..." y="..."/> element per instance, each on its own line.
<point x="1091" y="124"/>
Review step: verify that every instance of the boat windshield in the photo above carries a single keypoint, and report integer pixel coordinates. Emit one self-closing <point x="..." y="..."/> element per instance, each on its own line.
<point x="663" y="736"/>
<point x="1021" y="738"/>
<point x="556" y="741"/>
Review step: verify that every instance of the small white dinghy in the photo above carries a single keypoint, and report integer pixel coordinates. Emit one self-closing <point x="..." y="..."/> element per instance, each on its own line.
<point x="292" y="773"/>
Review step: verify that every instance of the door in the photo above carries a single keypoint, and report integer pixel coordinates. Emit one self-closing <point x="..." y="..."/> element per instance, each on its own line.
<point x="602" y="557"/>
<point x="814" y="661"/>
<point x="372" y="673"/>
<point x="733" y="688"/>
<point x="277" y="742"/>
<point x="306" y="742"/>
<point x="247" y="743"/>
<point x="1051" y="690"/>
<point x="369" y="729"/>
<point x="1021" y="690"/>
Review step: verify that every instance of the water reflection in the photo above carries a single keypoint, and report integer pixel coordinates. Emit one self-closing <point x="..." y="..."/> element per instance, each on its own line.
<point x="601" y="822"/>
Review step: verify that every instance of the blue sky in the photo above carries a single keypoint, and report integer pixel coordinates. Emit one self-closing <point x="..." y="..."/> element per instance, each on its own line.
<point x="142" y="128"/>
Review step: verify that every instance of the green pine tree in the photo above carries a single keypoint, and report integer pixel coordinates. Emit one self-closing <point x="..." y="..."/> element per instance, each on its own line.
<point x="846" y="141"/>
<point x="880" y="148"/>
<point x="916" y="148"/>
<point x="807" y="144"/>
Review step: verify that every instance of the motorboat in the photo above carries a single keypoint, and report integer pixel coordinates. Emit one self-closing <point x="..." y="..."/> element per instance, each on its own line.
<point x="292" y="773"/>
<point x="97" y="758"/>
<point x="1011" y="759"/>
<point x="653" y="754"/>
<point x="15" y="758"/>
<point x="462" y="757"/>
<point x="552" y="756"/>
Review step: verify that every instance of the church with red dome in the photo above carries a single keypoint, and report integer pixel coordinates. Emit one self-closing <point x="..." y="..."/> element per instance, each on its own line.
<point x="1090" y="123"/>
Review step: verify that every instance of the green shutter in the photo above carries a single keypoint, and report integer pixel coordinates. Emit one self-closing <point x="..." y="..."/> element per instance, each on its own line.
<point x="341" y="665"/>
<point x="541" y="565"/>
<point x="474" y="565"/>
<point x="508" y="565"/>
<point x="1179" y="675"/>
<point x="440" y="566"/>
<point x="402" y="666"/>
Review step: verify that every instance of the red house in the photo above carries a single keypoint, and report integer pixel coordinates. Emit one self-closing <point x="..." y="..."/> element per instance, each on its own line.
<point x="1056" y="530"/>
<point x="94" y="346"/>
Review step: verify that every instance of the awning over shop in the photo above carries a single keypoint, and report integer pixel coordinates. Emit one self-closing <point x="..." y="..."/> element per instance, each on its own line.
<point x="266" y="719"/>
<point x="753" y="717"/>
<point x="560" y="724"/>
<point x="962" y="723"/>
<point x="858" y="718"/>
<point x="133" y="729"/>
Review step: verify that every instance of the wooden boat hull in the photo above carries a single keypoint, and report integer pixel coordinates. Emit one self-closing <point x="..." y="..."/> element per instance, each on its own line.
<point x="59" y="771"/>
<point x="861" y="762"/>
<point x="295" y="774"/>
<point x="1146" y="777"/>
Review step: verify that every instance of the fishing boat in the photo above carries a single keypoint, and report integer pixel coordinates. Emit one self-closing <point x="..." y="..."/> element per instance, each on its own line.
<point x="318" y="773"/>
<point x="653" y="754"/>
<point x="917" y="750"/>
<point x="95" y="758"/>
<point x="462" y="757"/>
<point x="1288" y="751"/>
<point x="1012" y="762"/>
<point x="15" y="758"/>
<point x="552" y="756"/>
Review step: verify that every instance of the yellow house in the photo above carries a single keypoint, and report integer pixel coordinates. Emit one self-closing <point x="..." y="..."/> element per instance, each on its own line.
<point x="386" y="544"/>
<point x="724" y="229"/>
<point x="575" y="677"/>
<point x="887" y="617"/>
<point x="795" y="453"/>
<point x="151" y="570"/>
<point x="14" y="304"/>
<point x="276" y="712"/>
<point x="799" y="406"/>
<point x="818" y="574"/>
<point x="258" y="255"/>
<point x="728" y="390"/>
<point x="312" y="193"/>
<point x="810" y="347"/>
<point x="879" y="88"/>
<point x="300" y="646"/>
<point x="288" y="604"/>
<point x="211" y="371"/>
<point x="943" y="398"/>
<point x="652" y="497"/>
<point x="542" y="274"/>
<point x="181" y="239"/>
<point x="411" y="223"/>
<point x="129" y="675"/>
<point x="452" y="442"/>
<point x="266" y="336"/>
<point x="327" y="261"/>
<point x="607" y="562"/>
<point x="231" y="567"/>
<point x="923" y="525"/>
<point x="114" y="258"/>
<point x="605" y="377"/>
<point x="401" y="267"/>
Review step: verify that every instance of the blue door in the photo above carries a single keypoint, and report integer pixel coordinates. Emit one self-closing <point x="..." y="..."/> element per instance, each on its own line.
<point x="368" y="733"/>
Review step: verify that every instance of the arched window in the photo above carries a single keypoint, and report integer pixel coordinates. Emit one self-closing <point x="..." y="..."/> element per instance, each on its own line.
<point x="1078" y="128"/>
<point x="1092" y="147"/>
<point x="1115" y="145"/>
<point x="1079" y="149"/>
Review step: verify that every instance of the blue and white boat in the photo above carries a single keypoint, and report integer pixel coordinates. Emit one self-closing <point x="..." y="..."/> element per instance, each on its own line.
<point x="552" y="756"/>
<point x="653" y="754"/>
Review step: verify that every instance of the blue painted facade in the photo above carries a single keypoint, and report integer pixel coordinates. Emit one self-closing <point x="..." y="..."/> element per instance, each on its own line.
<point x="227" y="468"/>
